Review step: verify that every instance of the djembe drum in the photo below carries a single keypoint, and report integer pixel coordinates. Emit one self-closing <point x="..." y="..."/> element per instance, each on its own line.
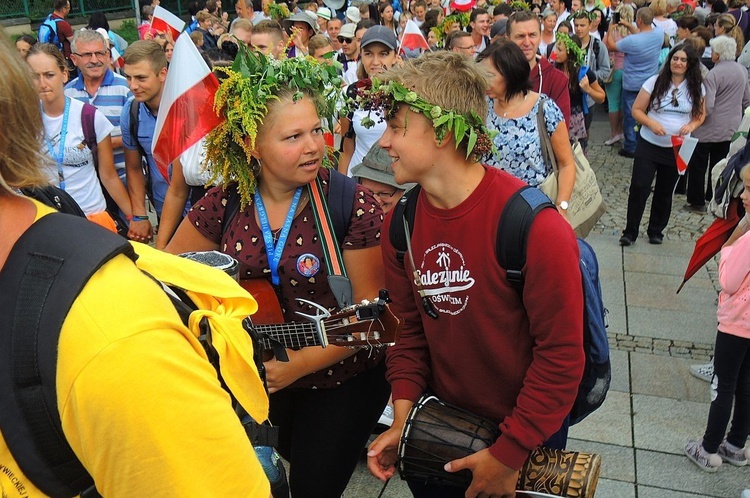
<point x="436" y="433"/>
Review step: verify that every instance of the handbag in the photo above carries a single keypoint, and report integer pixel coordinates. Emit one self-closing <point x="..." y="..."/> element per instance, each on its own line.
<point x="586" y="204"/>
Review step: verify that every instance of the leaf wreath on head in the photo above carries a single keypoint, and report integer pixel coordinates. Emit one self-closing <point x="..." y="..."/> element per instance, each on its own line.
<point x="575" y="53"/>
<point x="441" y="30"/>
<point x="387" y="97"/>
<point x="242" y="99"/>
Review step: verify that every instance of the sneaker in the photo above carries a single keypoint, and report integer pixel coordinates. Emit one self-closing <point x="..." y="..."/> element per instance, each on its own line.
<point x="387" y="417"/>
<point x="614" y="139"/>
<point x="737" y="457"/>
<point x="625" y="153"/>
<point x="703" y="372"/>
<point x="709" y="462"/>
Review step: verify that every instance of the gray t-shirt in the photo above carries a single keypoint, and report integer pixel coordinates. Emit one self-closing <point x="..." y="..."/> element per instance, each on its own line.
<point x="641" y="57"/>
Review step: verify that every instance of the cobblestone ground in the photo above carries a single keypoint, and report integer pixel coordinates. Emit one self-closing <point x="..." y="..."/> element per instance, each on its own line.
<point x="613" y="173"/>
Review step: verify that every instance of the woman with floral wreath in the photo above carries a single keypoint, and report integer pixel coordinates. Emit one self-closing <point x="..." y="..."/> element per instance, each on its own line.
<point x="570" y="59"/>
<point x="270" y="149"/>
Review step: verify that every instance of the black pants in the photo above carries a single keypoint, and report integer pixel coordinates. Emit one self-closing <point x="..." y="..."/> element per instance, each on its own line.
<point x="732" y="368"/>
<point x="651" y="160"/>
<point x="323" y="432"/>
<point x="705" y="156"/>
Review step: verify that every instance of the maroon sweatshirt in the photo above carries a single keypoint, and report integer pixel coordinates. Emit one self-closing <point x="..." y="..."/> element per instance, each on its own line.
<point x="516" y="363"/>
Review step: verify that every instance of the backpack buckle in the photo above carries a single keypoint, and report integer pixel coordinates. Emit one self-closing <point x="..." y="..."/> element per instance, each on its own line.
<point x="515" y="277"/>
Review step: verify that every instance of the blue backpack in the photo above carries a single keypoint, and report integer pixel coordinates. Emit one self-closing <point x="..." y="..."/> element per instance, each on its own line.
<point x="510" y="251"/>
<point x="48" y="31"/>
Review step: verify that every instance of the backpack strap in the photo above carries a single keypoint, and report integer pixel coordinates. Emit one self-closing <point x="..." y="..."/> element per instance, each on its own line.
<point x="406" y="208"/>
<point x="134" y="125"/>
<point x="88" y="115"/>
<point x="46" y="270"/>
<point x="513" y="231"/>
<point x="341" y="191"/>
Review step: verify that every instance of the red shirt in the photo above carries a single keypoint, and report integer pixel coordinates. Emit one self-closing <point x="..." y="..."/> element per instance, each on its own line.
<point x="554" y="85"/>
<point x="64" y="33"/>
<point x="517" y="363"/>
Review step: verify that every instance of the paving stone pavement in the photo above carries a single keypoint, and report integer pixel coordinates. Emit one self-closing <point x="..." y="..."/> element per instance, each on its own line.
<point x="654" y="404"/>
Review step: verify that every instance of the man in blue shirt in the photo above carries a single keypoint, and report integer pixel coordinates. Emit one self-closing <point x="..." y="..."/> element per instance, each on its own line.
<point x="99" y="86"/>
<point x="146" y="69"/>
<point x="641" y="49"/>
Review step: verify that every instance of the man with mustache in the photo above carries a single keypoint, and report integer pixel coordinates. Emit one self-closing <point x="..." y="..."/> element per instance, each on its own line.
<point x="99" y="86"/>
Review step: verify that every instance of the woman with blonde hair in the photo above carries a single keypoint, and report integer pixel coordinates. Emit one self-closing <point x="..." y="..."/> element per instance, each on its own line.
<point x="726" y="24"/>
<point x="659" y="7"/>
<point x="72" y="164"/>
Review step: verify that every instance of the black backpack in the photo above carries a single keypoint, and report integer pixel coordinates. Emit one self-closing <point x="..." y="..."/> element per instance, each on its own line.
<point x="56" y="198"/>
<point x="510" y="250"/>
<point x="49" y="266"/>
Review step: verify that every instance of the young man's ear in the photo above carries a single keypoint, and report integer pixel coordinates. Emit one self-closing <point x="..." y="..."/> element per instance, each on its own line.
<point x="445" y="141"/>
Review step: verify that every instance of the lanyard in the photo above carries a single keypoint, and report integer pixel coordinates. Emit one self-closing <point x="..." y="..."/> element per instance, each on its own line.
<point x="274" y="251"/>
<point x="60" y="155"/>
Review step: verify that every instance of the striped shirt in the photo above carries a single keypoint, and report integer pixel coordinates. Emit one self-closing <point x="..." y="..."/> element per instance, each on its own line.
<point x="109" y="99"/>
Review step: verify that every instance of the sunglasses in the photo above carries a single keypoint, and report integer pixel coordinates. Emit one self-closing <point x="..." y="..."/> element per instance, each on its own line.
<point x="675" y="92"/>
<point x="341" y="39"/>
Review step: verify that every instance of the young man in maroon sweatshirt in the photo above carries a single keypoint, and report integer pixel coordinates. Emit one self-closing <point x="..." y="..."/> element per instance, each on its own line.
<point x="515" y="361"/>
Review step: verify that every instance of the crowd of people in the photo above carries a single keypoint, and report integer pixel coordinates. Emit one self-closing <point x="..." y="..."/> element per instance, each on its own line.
<point x="348" y="102"/>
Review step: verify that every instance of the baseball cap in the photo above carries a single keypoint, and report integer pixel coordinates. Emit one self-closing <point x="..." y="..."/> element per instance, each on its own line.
<point x="379" y="34"/>
<point x="376" y="166"/>
<point x="352" y="13"/>
<point x="348" y="30"/>
<point x="499" y="28"/>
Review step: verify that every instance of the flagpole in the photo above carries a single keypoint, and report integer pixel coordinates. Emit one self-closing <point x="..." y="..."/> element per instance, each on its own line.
<point x="137" y="13"/>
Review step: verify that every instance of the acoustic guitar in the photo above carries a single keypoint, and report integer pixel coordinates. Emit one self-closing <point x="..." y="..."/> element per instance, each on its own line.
<point x="368" y="324"/>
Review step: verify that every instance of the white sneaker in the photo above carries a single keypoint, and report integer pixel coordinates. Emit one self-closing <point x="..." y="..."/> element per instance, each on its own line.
<point x="703" y="372"/>
<point x="387" y="417"/>
<point x="708" y="462"/>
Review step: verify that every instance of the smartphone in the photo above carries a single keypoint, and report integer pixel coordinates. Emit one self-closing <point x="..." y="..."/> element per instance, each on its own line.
<point x="616" y="17"/>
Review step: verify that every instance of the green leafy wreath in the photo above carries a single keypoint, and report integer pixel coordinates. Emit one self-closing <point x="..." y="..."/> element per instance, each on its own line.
<point x="575" y="52"/>
<point x="242" y="99"/>
<point x="387" y="97"/>
<point x="441" y="30"/>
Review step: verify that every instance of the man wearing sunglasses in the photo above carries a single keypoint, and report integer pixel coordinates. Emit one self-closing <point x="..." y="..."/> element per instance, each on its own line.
<point x="99" y="86"/>
<point x="349" y="51"/>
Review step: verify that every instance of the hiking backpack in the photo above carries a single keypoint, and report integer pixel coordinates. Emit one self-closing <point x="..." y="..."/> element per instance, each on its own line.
<point x="510" y="250"/>
<point x="49" y="269"/>
<point x="48" y="31"/>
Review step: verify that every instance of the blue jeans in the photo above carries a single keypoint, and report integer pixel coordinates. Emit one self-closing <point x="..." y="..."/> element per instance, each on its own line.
<point x="628" y="123"/>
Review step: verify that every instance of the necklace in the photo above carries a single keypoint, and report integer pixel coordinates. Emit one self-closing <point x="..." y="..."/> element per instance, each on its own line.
<point x="515" y="107"/>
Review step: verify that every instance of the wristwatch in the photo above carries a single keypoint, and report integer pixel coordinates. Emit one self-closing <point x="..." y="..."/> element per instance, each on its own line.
<point x="564" y="205"/>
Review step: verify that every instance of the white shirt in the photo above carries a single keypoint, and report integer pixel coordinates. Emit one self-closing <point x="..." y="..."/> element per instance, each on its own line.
<point x="670" y="117"/>
<point x="365" y="137"/>
<point x="78" y="173"/>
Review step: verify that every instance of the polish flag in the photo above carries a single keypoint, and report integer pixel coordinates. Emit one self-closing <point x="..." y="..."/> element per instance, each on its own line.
<point x="117" y="59"/>
<point x="186" y="112"/>
<point x="683" y="151"/>
<point x="164" y="21"/>
<point x="413" y="38"/>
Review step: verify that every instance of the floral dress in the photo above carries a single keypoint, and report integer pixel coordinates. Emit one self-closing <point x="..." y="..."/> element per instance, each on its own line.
<point x="519" y="147"/>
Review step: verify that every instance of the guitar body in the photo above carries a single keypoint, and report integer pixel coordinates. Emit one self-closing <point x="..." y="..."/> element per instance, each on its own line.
<point x="269" y="310"/>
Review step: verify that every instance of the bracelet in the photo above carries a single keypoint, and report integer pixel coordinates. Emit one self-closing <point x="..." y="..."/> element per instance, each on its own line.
<point x="139" y="218"/>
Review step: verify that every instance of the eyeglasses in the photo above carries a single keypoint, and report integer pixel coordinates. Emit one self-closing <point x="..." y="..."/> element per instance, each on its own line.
<point x="385" y="195"/>
<point x="470" y="47"/>
<point x="341" y="39"/>
<point x="675" y="92"/>
<point x="89" y="55"/>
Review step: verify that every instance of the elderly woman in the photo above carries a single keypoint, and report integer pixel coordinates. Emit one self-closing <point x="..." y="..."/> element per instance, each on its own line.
<point x="549" y="21"/>
<point x="727" y="94"/>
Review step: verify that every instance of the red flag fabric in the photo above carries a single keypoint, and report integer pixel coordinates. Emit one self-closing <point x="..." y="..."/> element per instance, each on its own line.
<point x="683" y="150"/>
<point x="413" y="38"/>
<point x="186" y="112"/>
<point x="709" y="244"/>
<point x="117" y="59"/>
<point x="164" y="21"/>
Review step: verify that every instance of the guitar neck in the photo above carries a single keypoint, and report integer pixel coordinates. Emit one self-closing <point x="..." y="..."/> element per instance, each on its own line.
<point x="289" y="335"/>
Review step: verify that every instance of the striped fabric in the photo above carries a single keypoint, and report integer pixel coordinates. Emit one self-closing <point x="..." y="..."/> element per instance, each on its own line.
<point x="111" y="97"/>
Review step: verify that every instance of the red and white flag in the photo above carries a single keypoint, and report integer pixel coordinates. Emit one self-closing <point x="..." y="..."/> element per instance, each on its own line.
<point x="117" y="59"/>
<point x="412" y="38"/>
<point x="683" y="151"/>
<point x="164" y="21"/>
<point x="186" y="113"/>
